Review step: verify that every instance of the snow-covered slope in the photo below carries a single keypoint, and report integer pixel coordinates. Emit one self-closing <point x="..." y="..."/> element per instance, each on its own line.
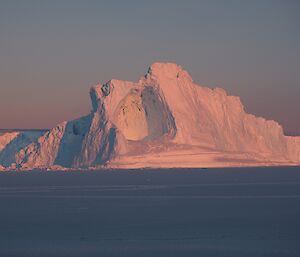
<point x="12" y="142"/>
<point x="163" y="120"/>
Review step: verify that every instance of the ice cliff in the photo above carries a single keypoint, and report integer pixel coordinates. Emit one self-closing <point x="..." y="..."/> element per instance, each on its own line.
<point x="163" y="120"/>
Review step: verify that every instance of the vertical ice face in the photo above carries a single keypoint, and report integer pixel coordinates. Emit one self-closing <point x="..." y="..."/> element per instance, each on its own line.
<point x="164" y="108"/>
<point x="159" y="119"/>
<point x="210" y="118"/>
<point x="143" y="114"/>
<point x="131" y="119"/>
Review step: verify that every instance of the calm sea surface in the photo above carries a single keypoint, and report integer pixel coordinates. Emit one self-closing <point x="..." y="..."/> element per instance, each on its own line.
<point x="193" y="212"/>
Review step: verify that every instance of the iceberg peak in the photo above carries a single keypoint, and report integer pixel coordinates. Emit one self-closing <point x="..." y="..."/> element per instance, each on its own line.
<point x="167" y="70"/>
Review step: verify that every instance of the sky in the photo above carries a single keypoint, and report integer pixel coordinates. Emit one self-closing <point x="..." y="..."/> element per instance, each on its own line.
<point x="52" y="52"/>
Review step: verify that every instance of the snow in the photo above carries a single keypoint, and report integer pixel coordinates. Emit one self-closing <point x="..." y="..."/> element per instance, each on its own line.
<point x="12" y="142"/>
<point x="163" y="120"/>
<point x="6" y="138"/>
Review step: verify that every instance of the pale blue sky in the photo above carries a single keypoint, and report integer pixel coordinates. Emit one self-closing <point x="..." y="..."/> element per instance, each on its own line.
<point x="52" y="52"/>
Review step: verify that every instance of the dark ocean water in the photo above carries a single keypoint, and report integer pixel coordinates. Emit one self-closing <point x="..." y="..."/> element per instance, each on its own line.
<point x="196" y="212"/>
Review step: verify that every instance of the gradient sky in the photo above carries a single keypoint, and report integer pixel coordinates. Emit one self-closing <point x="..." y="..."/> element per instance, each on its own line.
<point x="52" y="52"/>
